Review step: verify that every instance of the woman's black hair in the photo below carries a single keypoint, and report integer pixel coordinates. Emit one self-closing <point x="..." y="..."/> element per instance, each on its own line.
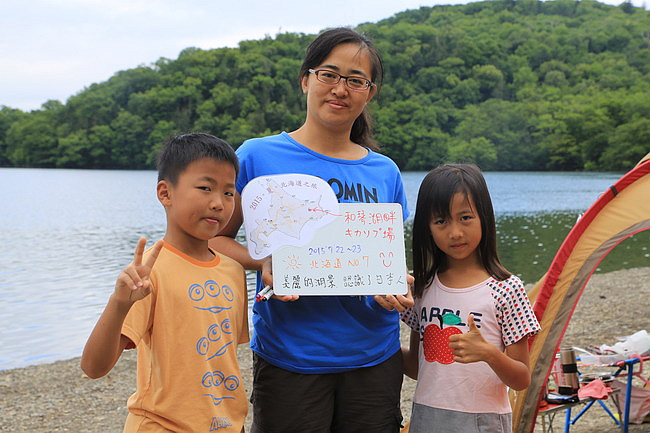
<point x="434" y="199"/>
<point x="321" y="47"/>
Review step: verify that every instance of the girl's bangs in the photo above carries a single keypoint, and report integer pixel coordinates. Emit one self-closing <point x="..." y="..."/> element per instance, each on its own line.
<point x="443" y="193"/>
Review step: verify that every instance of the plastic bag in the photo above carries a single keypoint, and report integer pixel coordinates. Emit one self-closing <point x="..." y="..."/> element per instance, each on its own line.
<point x="587" y="358"/>
<point x="635" y="344"/>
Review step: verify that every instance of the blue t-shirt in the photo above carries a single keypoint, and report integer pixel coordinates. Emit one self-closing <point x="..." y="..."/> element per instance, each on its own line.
<point x="324" y="334"/>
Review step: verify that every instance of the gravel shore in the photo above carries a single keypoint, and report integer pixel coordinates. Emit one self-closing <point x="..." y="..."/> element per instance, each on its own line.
<point x="58" y="397"/>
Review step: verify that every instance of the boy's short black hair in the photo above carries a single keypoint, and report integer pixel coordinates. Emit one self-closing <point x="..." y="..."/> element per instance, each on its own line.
<point x="179" y="151"/>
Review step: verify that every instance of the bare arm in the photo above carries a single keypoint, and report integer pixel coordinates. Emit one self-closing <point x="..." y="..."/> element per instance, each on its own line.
<point x="510" y="366"/>
<point x="106" y="342"/>
<point x="410" y="356"/>
<point x="226" y="244"/>
<point x="519" y="377"/>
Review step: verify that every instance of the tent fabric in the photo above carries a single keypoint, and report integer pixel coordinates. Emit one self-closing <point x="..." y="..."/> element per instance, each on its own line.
<point x="620" y="212"/>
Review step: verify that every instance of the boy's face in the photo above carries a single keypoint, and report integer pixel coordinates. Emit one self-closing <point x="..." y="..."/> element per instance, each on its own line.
<point x="201" y="202"/>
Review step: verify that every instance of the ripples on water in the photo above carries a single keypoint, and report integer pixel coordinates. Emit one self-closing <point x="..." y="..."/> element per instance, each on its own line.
<point x="528" y="243"/>
<point x="66" y="234"/>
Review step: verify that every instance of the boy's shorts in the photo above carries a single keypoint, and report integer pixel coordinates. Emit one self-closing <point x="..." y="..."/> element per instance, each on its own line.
<point x="365" y="400"/>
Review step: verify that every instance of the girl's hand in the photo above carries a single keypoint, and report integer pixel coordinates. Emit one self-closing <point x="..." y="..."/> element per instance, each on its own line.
<point x="267" y="278"/>
<point x="511" y="367"/>
<point x="470" y="347"/>
<point x="133" y="282"/>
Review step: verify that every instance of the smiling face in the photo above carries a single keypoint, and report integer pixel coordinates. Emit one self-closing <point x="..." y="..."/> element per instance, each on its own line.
<point x="200" y="204"/>
<point x="459" y="235"/>
<point x="336" y="106"/>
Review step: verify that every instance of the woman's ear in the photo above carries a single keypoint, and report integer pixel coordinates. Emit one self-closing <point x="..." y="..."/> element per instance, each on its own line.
<point x="372" y="91"/>
<point x="303" y="83"/>
<point x="164" y="193"/>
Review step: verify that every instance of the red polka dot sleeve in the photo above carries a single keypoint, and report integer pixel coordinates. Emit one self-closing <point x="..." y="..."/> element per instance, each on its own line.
<point x="410" y="317"/>
<point x="514" y="312"/>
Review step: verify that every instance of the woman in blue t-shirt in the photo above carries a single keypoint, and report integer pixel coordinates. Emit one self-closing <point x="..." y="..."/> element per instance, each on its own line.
<point x="326" y="363"/>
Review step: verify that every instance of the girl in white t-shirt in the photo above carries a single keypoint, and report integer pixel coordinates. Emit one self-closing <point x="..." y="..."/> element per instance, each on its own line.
<point x="463" y="369"/>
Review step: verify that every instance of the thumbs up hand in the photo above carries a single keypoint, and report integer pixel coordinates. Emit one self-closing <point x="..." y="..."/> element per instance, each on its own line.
<point x="470" y="347"/>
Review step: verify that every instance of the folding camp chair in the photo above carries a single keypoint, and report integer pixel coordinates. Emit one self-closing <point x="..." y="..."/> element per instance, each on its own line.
<point x="641" y="395"/>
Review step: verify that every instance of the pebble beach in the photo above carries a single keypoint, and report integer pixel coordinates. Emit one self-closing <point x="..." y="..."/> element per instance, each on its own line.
<point x="58" y="397"/>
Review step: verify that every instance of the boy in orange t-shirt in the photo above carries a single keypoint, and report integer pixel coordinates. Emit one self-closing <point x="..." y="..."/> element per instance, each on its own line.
<point x="181" y="304"/>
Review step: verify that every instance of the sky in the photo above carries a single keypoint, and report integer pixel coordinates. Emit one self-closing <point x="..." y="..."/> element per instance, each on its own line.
<point x="53" y="49"/>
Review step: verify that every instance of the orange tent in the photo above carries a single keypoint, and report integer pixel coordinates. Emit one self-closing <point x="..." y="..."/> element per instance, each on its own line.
<point x="620" y="212"/>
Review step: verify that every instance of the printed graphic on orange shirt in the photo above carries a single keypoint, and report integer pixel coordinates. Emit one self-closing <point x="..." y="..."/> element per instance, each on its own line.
<point x="215" y="299"/>
<point x="204" y="296"/>
<point x="219" y="422"/>
<point x="216" y="379"/>
<point x="212" y="289"/>
<point x="212" y="345"/>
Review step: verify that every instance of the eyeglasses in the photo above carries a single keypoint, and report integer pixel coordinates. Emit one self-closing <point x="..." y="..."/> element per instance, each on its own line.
<point x="330" y="77"/>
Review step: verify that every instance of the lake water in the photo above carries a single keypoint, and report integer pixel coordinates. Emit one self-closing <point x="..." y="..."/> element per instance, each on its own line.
<point x="66" y="234"/>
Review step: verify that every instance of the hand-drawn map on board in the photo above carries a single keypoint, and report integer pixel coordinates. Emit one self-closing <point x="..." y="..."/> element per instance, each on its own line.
<point x="321" y="247"/>
<point x="285" y="209"/>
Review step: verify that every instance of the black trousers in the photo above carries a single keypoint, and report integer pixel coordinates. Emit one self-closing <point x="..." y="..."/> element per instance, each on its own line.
<point x="365" y="400"/>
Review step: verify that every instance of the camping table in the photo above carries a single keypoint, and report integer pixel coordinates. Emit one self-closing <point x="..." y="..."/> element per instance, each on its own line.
<point x="548" y="412"/>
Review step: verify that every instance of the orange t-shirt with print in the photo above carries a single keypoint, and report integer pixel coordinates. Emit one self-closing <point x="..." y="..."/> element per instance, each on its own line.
<point x="186" y="333"/>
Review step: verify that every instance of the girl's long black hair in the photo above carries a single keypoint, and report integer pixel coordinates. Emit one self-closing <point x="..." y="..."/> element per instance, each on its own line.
<point x="321" y="47"/>
<point x="434" y="199"/>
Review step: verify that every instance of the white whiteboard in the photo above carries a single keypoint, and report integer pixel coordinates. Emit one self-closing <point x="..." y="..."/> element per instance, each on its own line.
<point x="360" y="252"/>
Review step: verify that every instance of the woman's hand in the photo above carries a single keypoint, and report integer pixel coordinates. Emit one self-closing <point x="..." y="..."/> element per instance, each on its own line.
<point x="398" y="302"/>
<point x="267" y="278"/>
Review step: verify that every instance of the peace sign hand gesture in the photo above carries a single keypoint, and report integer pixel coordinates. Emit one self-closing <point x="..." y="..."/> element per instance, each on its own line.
<point x="133" y="283"/>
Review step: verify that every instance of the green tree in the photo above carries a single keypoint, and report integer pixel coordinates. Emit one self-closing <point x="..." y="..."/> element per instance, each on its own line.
<point x="479" y="151"/>
<point x="100" y="142"/>
<point x="238" y="131"/>
<point x="73" y="150"/>
<point x="409" y="134"/>
<point x="629" y="143"/>
<point x="160" y="132"/>
<point x="7" y="117"/>
<point x="507" y="126"/>
<point x="31" y="141"/>
<point x="490" y="80"/>
<point x="123" y="84"/>
<point x="94" y="106"/>
<point x="559" y="84"/>
<point x="127" y="150"/>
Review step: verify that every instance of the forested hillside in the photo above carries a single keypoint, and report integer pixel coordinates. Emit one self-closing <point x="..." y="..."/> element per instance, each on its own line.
<point x="510" y="85"/>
